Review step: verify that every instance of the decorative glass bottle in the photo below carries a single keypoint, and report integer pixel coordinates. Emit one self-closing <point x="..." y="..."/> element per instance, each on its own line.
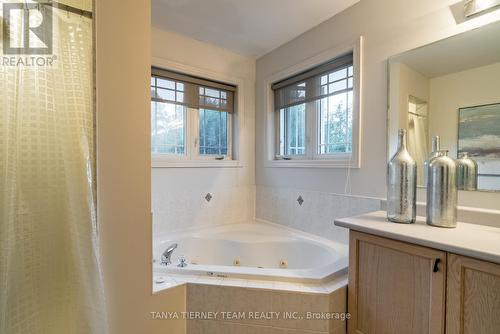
<point x="442" y="191"/>
<point x="436" y="146"/>
<point x="466" y="172"/>
<point x="402" y="184"/>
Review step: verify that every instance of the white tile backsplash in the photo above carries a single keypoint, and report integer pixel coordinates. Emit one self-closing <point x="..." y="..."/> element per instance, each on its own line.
<point x="317" y="212"/>
<point x="179" y="209"/>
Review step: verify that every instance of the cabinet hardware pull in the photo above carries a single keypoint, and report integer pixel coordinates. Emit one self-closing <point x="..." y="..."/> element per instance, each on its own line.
<point x="436" y="263"/>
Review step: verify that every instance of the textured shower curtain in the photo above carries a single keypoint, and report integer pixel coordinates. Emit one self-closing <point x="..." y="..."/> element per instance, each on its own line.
<point x="417" y="143"/>
<point x="50" y="281"/>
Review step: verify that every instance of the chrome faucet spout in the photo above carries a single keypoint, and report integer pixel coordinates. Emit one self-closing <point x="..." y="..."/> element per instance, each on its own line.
<point x="167" y="254"/>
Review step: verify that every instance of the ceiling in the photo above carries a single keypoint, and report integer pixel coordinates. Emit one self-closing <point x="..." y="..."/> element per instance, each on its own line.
<point x="248" y="27"/>
<point x="474" y="48"/>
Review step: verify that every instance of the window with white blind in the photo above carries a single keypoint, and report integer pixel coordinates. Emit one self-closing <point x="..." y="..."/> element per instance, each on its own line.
<point x="315" y="113"/>
<point x="191" y="118"/>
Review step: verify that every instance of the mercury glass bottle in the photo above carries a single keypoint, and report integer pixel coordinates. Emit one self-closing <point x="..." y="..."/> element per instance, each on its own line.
<point x="402" y="184"/>
<point x="442" y="191"/>
<point x="466" y="172"/>
<point x="436" y="146"/>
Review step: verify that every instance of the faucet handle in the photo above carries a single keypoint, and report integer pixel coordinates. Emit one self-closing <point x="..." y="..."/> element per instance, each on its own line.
<point x="165" y="260"/>
<point x="182" y="261"/>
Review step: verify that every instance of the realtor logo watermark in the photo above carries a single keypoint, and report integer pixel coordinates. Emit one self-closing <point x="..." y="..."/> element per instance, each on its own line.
<point x="27" y="34"/>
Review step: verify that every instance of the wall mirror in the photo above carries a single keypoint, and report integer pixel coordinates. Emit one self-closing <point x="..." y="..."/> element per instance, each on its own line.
<point x="450" y="89"/>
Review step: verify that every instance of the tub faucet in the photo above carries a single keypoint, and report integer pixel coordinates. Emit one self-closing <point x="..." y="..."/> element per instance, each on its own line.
<point x="165" y="257"/>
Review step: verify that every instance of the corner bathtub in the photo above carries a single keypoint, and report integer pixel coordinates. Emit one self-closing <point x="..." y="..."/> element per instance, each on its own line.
<point x="255" y="250"/>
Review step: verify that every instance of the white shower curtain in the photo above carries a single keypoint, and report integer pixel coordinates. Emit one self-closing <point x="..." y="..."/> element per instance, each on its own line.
<point x="50" y="281"/>
<point x="417" y="143"/>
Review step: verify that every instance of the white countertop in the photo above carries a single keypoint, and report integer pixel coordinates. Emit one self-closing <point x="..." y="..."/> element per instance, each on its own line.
<point x="478" y="241"/>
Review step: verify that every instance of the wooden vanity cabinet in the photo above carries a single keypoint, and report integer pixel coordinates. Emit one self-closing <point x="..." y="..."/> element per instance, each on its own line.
<point x="397" y="287"/>
<point x="473" y="296"/>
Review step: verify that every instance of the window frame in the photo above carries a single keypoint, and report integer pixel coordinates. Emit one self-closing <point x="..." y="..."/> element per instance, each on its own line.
<point x="192" y="158"/>
<point x="313" y="158"/>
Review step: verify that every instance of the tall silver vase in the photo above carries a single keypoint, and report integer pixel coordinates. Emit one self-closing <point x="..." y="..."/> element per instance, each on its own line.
<point x="466" y="172"/>
<point x="402" y="184"/>
<point x="442" y="191"/>
<point x="436" y="146"/>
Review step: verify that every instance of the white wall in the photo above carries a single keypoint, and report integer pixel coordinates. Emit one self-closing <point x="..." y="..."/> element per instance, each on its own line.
<point x="404" y="82"/>
<point x="457" y="90"/>
<point x="176" y="189"/>
<point x="123" y="58"/>
<point x="469" y="88"/>
<point x="389" y="27"/>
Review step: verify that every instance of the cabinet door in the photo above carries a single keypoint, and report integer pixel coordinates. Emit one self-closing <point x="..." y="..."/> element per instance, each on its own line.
<point x="473" y="296"/>
<point x="394" y="287"/>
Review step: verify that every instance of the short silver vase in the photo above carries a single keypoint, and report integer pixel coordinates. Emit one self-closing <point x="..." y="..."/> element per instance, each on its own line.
<point x="442" y="191"/>
<point x="436" y="147"/>
<point x="466" y="172"/>
<point x="402" y="184"/>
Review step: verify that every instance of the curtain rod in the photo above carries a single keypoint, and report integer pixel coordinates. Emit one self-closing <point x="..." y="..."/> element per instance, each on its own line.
<point x="68" y="8"/>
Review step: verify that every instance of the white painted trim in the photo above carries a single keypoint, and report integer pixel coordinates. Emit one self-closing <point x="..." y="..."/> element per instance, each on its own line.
<point x="172" y="162"/>
<point x="158" y="162"/>
<point x="356" y="47"/>
<point x="320" y="163"/>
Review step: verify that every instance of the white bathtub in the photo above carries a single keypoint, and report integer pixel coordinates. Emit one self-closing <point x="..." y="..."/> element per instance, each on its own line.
<point x="253" y="251"/>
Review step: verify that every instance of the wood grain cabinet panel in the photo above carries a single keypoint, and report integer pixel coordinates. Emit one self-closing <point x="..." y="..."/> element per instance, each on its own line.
<point x="473" y="296"/>
<point x="395" y="287"/>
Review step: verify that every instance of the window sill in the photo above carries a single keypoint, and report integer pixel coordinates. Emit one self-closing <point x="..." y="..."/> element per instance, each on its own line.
<point x="159" y="163"/>
<point x="311" y="164"/>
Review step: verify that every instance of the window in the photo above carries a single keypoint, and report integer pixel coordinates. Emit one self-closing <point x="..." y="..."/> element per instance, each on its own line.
<point x="335" y="112"/>
<point x="168" y="116"/>
<point x="292" y="130"/>
<point x="191" y="118"/>
<point x="213" y="124"/>
<point x="314" y="112"/>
